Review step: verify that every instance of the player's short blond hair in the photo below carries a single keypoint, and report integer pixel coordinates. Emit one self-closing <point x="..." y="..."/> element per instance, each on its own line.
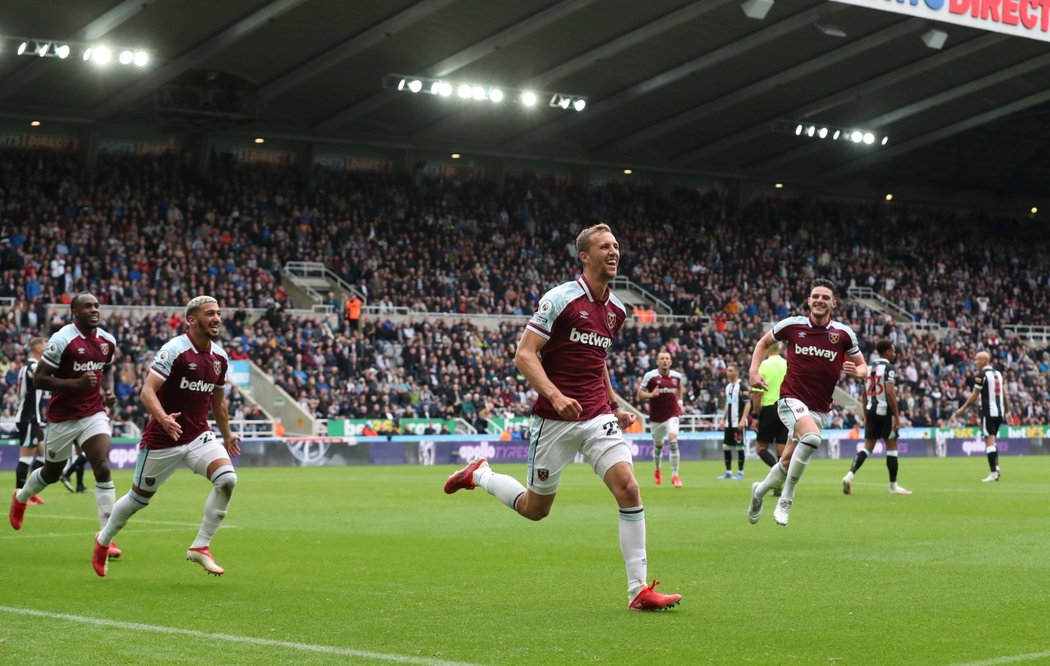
<point x="197" y="303"/>
<point x="583" y="241"/>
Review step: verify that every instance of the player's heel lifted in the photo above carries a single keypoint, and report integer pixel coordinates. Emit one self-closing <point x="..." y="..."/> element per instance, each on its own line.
<point x="463" y="479"/>
<point x="100" y="558"/>
<point x="651" y="600"/>
<point x="202" y="556"/>
<point x="17" y="512"/>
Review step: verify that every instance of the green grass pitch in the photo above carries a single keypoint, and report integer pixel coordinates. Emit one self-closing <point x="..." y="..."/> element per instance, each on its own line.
<point x="376" y="565"/>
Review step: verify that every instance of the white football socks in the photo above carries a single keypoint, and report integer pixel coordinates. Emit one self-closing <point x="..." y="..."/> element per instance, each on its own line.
<point x="632" y="546"/>
<point x="505" y="488"/>
<point x="105" y="497"/>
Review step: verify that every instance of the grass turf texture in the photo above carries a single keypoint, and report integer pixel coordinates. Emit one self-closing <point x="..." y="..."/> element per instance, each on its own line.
<point x="378" y="560"/>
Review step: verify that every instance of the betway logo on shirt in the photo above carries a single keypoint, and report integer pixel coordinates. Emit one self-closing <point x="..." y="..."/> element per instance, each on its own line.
<point x="815" y="351"/>
<point x="592" y="339"/>
<point x="88" y="366"/>
<point x="667" y="389"/>
<point x="199" y="385"/>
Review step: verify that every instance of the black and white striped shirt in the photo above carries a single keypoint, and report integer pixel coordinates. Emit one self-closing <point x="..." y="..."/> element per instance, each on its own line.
<point x="734" y="404"/>
<point x="993" y="392"/>
<point x="29" y="408"/>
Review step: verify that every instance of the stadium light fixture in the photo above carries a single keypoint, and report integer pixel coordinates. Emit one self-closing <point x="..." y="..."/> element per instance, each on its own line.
<point x="934" y="39"/>
<point x="1035" y="209"/>
<point x="889" y="196"/>
<point x="97" y="53"/>
<point x="455" y="156"/>
<point x="34" y="123"/>
<point x="628" y="172"/>
<point x="778" y="186"/>
<point x="481" y="92"/>
<point x="101" y="55"/>
<point x="260" y="140"/>
<point x="825" y="131"/>
<point x="756" y="9"/>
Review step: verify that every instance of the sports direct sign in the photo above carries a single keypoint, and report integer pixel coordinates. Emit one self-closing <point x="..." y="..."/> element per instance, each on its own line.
<point x="1021" y="18"/>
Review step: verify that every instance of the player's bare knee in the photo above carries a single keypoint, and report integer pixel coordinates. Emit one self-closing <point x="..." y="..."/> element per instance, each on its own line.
<point x="534" y="513"/>
<point x="628" y="494"/>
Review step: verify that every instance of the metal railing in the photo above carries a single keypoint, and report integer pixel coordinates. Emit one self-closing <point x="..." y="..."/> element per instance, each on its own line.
<point x="316" y="269"/>
<point x="870" y="294"/>
<point x="1028" y="332"/>
<point x="250" y="427"/>
<point x="621" y="282"/>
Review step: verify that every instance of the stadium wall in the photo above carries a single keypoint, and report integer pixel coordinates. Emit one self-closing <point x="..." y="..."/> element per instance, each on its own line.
<point x="456" y="449"/>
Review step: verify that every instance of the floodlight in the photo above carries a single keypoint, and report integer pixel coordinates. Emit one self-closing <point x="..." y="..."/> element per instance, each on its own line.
<point x="580" y="104"/>
<point x="62" y="51"/>
<point x="822" y="132"/>
<point x="856" y="137"/>
<point x="496" y="95"/>
<point x="464" y="91"/>
<point x="869" y="138"/>
<point x="102" y="55"/>
<point x="141" y="59"/>
<point x="22" y="48"/>
<point x="528" y="98"/>
<point x="478" y="93"/>
<point x="126" y="57"/>
<point x="415" y="85"/>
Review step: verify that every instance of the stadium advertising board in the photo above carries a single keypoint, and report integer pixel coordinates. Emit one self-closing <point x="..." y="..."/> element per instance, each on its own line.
<point x="1020" y="18"/>
<point x="50" y="141"/>
<point x="132" y="147"/>
<point x="358" y="164"/>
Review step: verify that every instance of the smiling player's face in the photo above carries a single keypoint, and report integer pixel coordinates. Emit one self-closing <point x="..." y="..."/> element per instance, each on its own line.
<point x="603" y="256"/>
<point x="208" y="321"/>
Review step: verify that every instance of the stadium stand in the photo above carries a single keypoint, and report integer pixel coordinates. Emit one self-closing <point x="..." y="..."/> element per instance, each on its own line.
<point x="147" y="231"/>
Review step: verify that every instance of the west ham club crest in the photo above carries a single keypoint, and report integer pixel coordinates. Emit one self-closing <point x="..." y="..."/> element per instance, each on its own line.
<point x="833" y="338"/>
<point x="610" y="320"/>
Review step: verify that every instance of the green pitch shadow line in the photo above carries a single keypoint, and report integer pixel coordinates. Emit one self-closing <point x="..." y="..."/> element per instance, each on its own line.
<point x="230" y="638"/>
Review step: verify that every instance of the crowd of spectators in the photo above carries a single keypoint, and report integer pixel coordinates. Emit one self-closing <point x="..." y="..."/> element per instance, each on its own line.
<point x="148" y="231"/>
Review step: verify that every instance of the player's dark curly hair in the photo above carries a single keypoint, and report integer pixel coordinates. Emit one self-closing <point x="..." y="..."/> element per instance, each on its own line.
<point x="827" y="284"/>
<point x="882" y="346"/>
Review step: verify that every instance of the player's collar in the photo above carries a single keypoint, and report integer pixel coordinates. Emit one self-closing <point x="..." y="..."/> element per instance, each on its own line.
<point x="582" y="281"/>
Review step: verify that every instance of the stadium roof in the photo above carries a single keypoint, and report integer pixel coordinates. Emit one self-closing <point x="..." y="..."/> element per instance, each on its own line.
<point x="676" y="85"/>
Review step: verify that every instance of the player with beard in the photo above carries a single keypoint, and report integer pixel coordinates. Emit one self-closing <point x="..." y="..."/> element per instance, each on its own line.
<point x="186" y="379"/>
<point x="663" y="387"/>
<point x="76" y="363"/>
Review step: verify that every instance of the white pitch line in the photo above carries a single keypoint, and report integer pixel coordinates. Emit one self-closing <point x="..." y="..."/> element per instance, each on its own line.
<point x="52" y="535"/>
<point x="137" y="521"/>
<point x="1011" y="659"/>
<point x="230" y="638"/>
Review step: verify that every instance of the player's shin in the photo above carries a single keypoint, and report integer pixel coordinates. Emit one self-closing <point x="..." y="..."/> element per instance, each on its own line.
<point x="774" y="479"/>
<point x="676" y="457"/>
<point x="105" y="497"/>
<point x="807" y="446"/>
<point x="632" y="546"/>
<point x="125" y="508"/>
<point x="505" y="488"/>
<point x="223" y="480"/>
<point x="34" y="484"/>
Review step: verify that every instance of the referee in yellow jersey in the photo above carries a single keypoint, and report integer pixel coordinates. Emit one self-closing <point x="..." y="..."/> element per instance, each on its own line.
<point x="764" y="403"/>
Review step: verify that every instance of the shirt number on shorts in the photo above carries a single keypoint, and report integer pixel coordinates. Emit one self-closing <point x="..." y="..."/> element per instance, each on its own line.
<point x="611" y="428"/>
